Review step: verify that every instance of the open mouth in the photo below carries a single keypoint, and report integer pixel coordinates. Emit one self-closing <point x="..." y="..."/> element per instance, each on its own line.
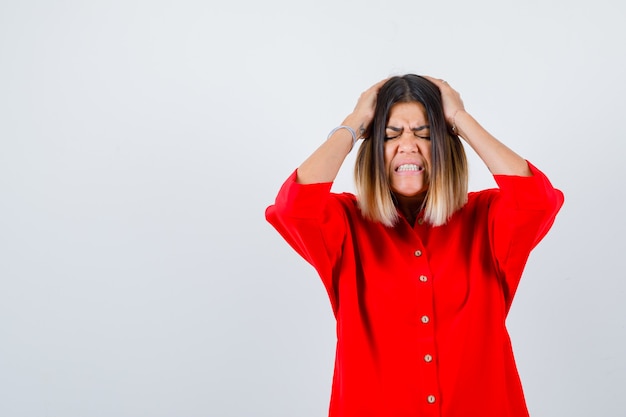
<point x="409" y="168"/>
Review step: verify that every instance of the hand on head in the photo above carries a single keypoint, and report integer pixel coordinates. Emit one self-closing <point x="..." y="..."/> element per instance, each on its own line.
<point x="452" y="102"/>
<point x="363" y="112"/>
<point x="366" y="105"/>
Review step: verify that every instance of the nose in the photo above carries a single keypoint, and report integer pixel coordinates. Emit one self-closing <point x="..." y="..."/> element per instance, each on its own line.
<point x="408" y="143"/>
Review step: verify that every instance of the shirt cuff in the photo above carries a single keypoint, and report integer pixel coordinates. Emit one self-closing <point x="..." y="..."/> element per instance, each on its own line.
<point x="535" y="192"/>
<point x="302" y="200"/>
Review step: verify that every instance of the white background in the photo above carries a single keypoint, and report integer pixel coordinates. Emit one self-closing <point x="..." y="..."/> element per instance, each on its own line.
<point x="140" y="142"/>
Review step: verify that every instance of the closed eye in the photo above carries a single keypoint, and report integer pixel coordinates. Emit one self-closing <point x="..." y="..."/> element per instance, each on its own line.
<point x="416" y="135"/>
<point x="422" y="132"/>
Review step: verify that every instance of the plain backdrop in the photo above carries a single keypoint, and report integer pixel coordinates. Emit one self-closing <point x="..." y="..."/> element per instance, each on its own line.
<point x="140" y="142"/>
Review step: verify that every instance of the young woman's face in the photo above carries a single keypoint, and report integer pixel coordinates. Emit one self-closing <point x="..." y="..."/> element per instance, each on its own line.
<point x="407" y="150"/>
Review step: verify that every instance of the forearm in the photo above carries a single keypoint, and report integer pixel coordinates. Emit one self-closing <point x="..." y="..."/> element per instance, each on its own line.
<point x="324" y="164"/>
<point x="499" y="158"/>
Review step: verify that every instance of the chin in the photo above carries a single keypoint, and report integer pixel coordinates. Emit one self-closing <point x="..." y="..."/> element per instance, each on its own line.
<point x="409" y="191"/>
<point x="409" y="194"/>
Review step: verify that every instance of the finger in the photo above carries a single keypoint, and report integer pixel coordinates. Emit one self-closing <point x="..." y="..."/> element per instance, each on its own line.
<point x="369" y="95"/>
<point x="376" y="87"/>
<point x="437" y="81"/>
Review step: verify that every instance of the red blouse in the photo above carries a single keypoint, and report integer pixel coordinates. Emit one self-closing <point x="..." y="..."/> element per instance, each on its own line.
<point x="421" y="310"/>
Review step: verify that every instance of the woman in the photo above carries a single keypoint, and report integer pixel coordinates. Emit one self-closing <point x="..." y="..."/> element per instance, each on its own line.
<point x="420" y="274"/>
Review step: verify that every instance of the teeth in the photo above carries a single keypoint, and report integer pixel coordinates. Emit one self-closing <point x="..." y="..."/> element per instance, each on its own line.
<point x="409" y="167"/>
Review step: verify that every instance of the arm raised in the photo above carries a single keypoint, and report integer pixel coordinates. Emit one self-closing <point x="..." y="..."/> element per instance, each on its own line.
<point x="499" y="158"/>
<point x="324" y="164"/>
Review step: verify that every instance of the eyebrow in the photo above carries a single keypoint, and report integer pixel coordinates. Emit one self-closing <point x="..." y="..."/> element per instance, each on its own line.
<point x="414" y="129"/>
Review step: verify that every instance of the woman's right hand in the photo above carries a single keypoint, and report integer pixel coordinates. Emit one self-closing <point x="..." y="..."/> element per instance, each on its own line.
<point x="324" y="164"/>
<point x="363" y="112"/>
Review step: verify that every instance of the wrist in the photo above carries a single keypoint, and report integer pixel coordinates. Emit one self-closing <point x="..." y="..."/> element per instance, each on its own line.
<point x="347" y="129"/>
<point x="457" y="120"/>
<point x="357" y="122"/>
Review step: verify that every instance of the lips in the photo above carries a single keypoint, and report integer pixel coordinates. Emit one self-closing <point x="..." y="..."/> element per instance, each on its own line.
<point x="409" y="168"/>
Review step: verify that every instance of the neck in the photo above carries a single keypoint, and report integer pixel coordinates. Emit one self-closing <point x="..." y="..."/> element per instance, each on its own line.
<point x="410" y="206"/>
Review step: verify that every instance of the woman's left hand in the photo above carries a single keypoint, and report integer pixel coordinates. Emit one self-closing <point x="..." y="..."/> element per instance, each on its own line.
<point x="451" y="99"/>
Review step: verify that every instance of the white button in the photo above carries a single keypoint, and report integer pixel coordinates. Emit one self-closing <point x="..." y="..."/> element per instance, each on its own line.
<point x="431" y="399"/>
<point x="418" y="253"/>
<point x="428" y="358"/>
<point x="423" y="278"/>
<point x="425" y="319"/>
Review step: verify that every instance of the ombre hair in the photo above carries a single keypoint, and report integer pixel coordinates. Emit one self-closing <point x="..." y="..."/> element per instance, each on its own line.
<point x="447" y="180"/>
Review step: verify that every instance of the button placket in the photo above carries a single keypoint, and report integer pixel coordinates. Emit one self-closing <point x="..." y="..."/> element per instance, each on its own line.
<point x="425" y="330"/>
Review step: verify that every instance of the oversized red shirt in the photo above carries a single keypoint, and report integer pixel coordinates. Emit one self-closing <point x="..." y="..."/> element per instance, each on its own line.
<point x="421" y="310"/>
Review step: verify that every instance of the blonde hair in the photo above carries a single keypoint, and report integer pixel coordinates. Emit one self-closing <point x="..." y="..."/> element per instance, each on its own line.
<point x="447" y="182"/>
